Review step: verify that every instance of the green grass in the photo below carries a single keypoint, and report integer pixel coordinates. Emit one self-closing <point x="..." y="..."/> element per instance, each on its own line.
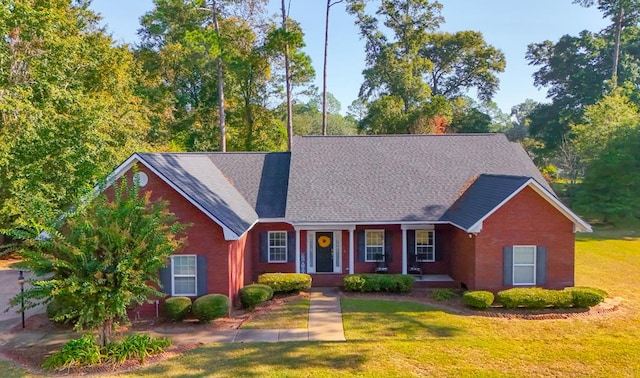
<point x="292" y="314"/>
<point x="11" y="371"/>
<point x="399" y="339"/>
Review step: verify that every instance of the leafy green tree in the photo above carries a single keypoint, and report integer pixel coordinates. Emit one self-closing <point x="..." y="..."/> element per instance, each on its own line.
<point x="68" y="111"/>
<point x="105" y="259"/>
<point x="463" y="61"/>
<point x="611" y="186"/>
<point x="411" y="67"/>
<point x="309" y="118"/>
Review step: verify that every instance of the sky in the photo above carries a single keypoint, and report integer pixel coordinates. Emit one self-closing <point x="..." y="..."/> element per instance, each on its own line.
<point x="509" y="25"/>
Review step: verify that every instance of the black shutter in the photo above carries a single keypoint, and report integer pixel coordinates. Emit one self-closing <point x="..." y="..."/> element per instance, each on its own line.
<point x="165" y="278"/>
<point x="437" y="248"/>
<point x="388" y="245"/>
<point x="291" y="246"/>
<point x="541" y="265"/>
<point x="264" y="247"/>
<point x="507" y="266"/>
<point x="411" y="246"/>
<point x="361" y="247"/>
<point x="202" y="275"/>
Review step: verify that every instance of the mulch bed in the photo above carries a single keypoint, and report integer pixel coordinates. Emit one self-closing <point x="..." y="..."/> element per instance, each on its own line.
<point x="455" y="306"/>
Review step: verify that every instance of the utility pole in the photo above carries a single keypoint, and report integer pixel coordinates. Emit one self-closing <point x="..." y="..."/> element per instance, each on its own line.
<point x="324" y="70"/>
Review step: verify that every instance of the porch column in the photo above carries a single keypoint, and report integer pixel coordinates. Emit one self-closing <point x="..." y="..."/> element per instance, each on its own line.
<point x="404" y="250"/>
<point x="351" y="265"/>
<point x="297" y="250"/>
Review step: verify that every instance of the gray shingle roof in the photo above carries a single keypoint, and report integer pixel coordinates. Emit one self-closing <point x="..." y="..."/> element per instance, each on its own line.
<point x="483" y="195"/>
<point x="203" y="183"/>
<point x="393" y="178"/>
<point x="262" y="179"/>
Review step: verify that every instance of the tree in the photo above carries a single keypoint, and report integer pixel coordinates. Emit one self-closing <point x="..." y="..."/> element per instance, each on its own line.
<point x="68" y="110"/>
<point x="105" y="259"/>
<point x="611" y="185"/>
<point x="411" y="67"/>
<point x="287" y="78"/>
<point x="463" y="61"/>
<point x="330" y="3"/>
<point x="622" y="13"/>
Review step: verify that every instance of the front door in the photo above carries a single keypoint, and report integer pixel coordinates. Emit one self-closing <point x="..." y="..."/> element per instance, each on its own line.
<point x="324" y="252"/>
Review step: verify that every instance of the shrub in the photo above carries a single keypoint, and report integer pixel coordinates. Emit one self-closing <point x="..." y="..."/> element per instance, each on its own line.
<point x="138" y="346"/>
<point x="177" y="308"/>
<point x="252" y="295"/>
<point x="354" y="282"/>
<point x="84" y="351"/>
<point x="285" y="282"/>
<point x="56" y="310"/>
<point x="586" y="296"/>
<point x="442" y="294"/>
<point x="210" y="306"/>
<point x="478" y="299"/>
<point x="534" y="297"/>
<point x="396" y="283"/>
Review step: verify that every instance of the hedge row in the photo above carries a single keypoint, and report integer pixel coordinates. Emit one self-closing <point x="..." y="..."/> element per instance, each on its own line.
<point x="204" y="308"/>
<point x="285" y="282"/>
<point x="537" y="298"/>
<point x="395" y="283"/>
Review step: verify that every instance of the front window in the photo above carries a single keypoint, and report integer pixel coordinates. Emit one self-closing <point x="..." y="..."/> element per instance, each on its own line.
<point x="524" y="265"/>
<point x="374" y="245"/>
<point x="277" y="246"/>
<point x="425" y="251"/>
<point x="184" y="275"/>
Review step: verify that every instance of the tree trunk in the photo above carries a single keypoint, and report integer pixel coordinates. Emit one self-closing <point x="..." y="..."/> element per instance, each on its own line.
<point x="287" y="81"/>
<point x="324" y="71"/>
<point x="616" y="49"/>
<point x="223" y="129"/>
<point x="105" y="334"/>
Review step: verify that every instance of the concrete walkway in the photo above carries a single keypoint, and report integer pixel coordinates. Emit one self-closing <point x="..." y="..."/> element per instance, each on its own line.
<point x="325" y="324"/>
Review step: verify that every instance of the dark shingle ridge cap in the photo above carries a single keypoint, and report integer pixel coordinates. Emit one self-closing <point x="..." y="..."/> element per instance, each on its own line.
<point x="398" y="135"/>
<point x="214" y="153"/>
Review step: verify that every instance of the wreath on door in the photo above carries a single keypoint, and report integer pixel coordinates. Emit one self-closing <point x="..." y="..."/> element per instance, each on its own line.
<point x="324" y="241"/>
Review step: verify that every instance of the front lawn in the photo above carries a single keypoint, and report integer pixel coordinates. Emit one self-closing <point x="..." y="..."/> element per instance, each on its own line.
<point x="398" y="339"/>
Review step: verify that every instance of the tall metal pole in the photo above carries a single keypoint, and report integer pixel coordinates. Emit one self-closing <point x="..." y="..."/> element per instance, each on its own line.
<point x="21" y="283"/>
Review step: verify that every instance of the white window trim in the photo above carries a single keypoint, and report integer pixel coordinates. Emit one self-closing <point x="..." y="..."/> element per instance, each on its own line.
<point x="286" y="246"/>
<point x="514" y="265"/>
<point x="432" y="245"/>
<point x="195" y="276"/>
<point x="366" y="233"/>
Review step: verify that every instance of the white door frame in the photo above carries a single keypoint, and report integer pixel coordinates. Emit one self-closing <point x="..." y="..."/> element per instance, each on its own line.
<point x="337" y="251"/>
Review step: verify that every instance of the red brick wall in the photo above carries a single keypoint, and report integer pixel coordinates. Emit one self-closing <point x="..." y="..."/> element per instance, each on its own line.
<point x="527" y="219"/>
<point x="459" y="253"/>
<point x="203" y="236"/>
<point x="237" y="250"/>
<point x="259" y="267"/>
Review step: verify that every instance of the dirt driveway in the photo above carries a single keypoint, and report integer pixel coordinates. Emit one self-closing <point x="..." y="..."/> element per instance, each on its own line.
<point x="8" y="288"/>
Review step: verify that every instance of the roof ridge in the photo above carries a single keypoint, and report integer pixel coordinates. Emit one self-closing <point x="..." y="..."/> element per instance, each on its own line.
<point x="397" y="135"/>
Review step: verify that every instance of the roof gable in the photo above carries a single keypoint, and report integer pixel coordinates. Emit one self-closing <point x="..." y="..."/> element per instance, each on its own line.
<point x="488" y="193"/>
<point x="199" y="181"/>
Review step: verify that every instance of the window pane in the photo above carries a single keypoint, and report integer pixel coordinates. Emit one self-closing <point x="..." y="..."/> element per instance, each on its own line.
<point x="375" y="238"/>
<point x="278" y="239"/>
<point x="184" y="265"/>
<point x="524" y="255"/>
<point x="523" y="275"/>
<point x="424" y="237"/>
<point x="278" y="254"/>
<point x="375" y="253"/>
<point x="184" y="285"/>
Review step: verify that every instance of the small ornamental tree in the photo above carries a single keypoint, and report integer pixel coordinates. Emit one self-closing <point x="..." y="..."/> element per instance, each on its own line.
<point x="105" y="259"/>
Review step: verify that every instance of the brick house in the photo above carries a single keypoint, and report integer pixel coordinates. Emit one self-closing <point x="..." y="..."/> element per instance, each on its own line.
<point x="456" y="210"/>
